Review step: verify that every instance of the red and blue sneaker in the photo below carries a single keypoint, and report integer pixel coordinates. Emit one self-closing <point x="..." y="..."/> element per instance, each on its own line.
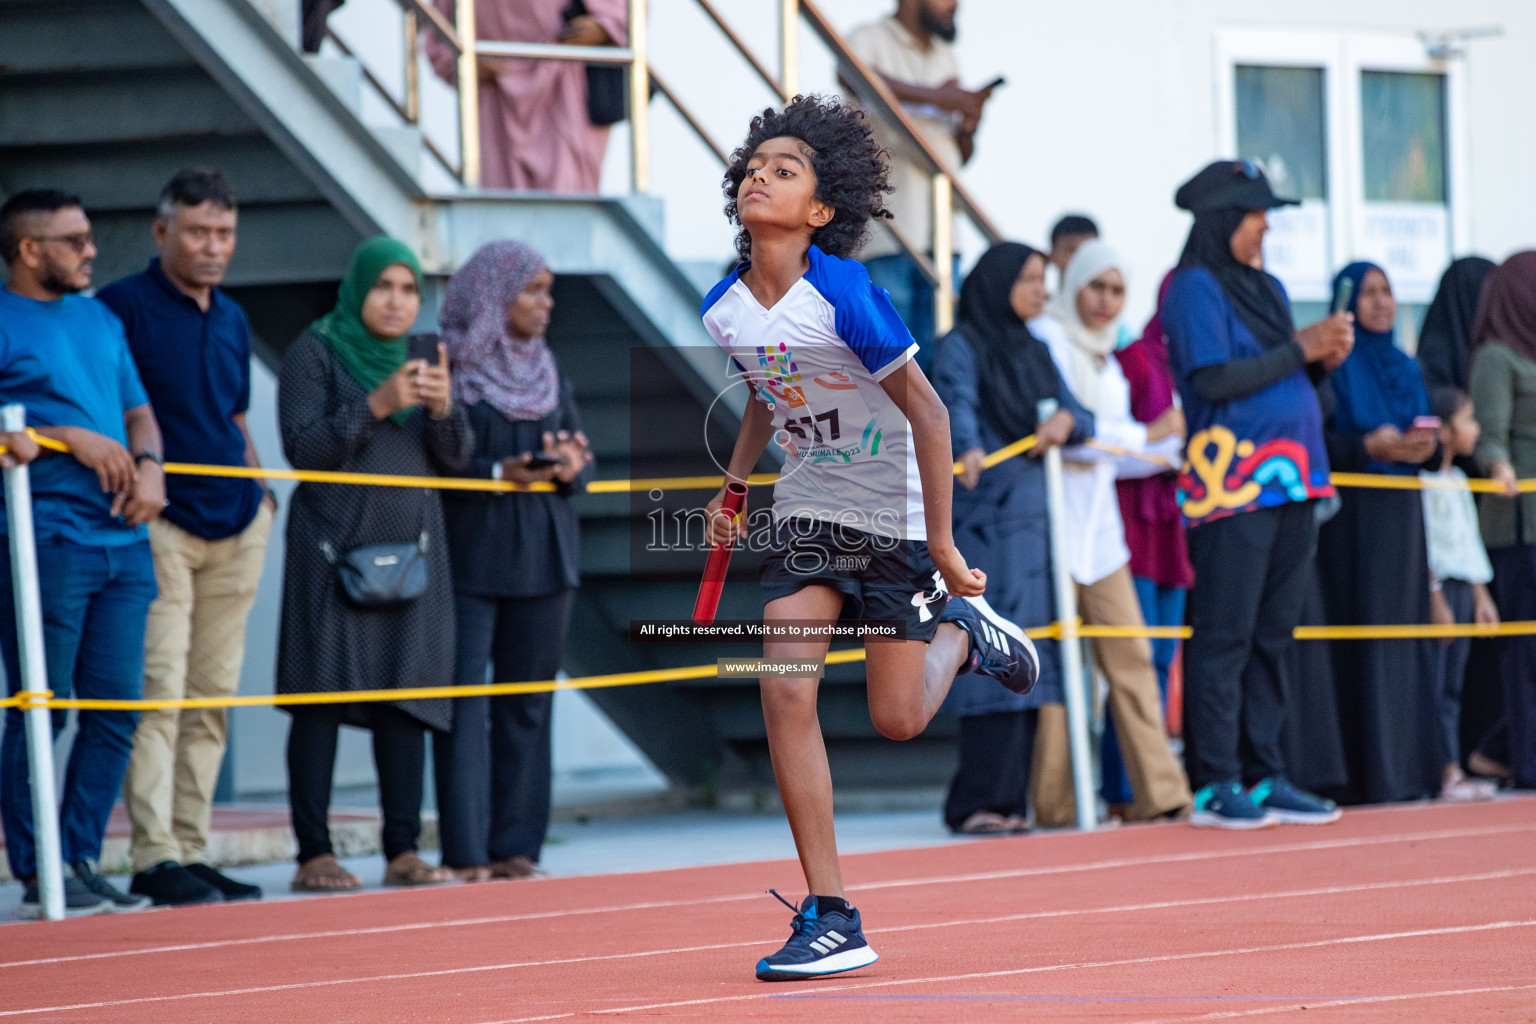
<point x="999" y="647"/>
<point x="827" y="942"/>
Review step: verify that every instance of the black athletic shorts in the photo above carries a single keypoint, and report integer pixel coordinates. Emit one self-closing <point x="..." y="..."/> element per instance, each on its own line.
<point x="881" y="578"/>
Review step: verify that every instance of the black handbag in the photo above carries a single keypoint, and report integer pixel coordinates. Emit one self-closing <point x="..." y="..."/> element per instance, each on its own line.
<point x="381" y="575"/>
<point x="605" y="82"/>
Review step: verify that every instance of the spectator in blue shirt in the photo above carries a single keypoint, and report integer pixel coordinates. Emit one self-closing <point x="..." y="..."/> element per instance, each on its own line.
<point x="192" y="345"/>
<point x="65" y="358"/>
<point x="1254" y="464"/>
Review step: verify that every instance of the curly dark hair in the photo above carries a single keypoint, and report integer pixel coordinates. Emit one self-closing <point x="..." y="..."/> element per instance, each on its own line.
<point x="852" y="170"/>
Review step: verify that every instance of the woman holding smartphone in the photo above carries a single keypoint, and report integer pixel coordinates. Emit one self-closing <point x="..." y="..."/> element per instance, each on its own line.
<point x="514" y="558"/>
<point x="1372" y="556"/>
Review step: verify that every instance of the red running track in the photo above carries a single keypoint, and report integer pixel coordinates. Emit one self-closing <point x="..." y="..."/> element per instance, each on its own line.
<point x="1421" y="913"/>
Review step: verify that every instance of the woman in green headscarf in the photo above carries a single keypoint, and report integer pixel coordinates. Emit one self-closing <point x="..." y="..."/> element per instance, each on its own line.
<point x="367" y="331"/>
<point x="358" y="393"/>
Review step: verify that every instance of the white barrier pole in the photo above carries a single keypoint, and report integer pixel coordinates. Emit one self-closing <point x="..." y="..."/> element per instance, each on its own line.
<point x="1072" y="681"/>
<point x="34" y="676"/>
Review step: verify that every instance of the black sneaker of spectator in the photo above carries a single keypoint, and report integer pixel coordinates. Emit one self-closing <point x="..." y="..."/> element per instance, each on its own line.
<point x="230" y="889"/>
<point x="171" y="885"/>
<point x="79" y="900"/>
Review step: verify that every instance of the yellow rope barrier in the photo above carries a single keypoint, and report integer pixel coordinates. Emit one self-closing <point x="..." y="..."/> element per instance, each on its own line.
<point x="701" y="483"/>
<point x="1054" y="631"/>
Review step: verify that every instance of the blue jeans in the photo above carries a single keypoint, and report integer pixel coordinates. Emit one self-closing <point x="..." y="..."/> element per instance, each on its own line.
<point x="95" y="602"/>
<point x="1161" y="606"/>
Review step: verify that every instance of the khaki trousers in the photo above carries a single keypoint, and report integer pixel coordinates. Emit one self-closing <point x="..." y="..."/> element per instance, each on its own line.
<point x="1156" y="777"/>
<point x="193" y="647"/>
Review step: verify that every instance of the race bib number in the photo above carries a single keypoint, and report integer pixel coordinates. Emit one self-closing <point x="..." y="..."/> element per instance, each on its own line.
<point x="828" y="420"/>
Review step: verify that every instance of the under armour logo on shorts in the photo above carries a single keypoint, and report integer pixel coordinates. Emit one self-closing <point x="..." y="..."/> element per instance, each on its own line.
<point x="924" y="601"/>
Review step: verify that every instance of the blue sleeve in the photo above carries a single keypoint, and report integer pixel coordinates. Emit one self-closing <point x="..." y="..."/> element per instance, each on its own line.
<point x="129" y="387"/>
<point x="1195" y="320"/>
<point x="870" y="326"/>
<point x="954" y="378"/>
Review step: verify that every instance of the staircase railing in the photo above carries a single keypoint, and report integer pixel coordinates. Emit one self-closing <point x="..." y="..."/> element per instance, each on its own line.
<point x="933" y="256"/>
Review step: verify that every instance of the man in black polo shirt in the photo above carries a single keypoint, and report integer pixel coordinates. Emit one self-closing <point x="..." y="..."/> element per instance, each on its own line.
<point x="192" y="345"/>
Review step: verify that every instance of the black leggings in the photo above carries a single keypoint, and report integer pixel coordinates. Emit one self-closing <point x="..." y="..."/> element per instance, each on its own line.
<point x="993" y="775"/>
<point x="399" y="759"/>
<point x="1252" y="571"/>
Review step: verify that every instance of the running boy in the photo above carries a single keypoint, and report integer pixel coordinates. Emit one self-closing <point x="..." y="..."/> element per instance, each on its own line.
<point x="861" y="513"/>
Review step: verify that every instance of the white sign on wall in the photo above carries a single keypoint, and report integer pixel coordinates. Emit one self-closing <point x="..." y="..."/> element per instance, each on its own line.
<point x="1296" y="249"/>
<point x="1410" y="241"/>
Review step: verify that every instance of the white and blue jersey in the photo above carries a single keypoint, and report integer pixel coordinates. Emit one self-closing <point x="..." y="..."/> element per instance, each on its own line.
<point x="816" y="359"/>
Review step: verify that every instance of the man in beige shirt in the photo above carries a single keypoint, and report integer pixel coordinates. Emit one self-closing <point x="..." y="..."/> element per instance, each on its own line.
<point x="913" y="52"/>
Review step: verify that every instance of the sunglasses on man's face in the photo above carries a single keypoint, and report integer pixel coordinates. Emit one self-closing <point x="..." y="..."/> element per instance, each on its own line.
<point x="78" y="242"/>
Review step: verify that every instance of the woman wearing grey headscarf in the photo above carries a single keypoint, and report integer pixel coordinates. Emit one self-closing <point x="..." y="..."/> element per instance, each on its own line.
<point x="514" y="559"/>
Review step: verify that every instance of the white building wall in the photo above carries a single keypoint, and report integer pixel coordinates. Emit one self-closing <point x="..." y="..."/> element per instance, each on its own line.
<point x="1108" y="107"/>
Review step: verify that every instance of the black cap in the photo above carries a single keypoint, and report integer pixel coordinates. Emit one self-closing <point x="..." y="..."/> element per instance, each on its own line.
<point x="1229" y="183"/>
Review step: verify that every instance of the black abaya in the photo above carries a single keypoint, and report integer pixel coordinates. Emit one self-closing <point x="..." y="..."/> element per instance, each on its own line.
<point x="1375" y="571"/>
<point x="1314" y="750"/>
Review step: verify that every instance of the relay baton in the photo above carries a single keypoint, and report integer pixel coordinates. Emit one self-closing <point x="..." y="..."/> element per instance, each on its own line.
<point x="719" y="559"/>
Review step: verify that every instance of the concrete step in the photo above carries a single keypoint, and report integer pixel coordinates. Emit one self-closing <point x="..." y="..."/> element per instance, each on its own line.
<point x="344" y="77"/>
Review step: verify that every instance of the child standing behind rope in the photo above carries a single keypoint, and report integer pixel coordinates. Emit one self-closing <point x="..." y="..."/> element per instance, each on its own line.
<point x="1459" y="573"/>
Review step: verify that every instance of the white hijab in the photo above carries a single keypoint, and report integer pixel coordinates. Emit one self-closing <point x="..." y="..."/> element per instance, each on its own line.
<point x="1092" y="258"/>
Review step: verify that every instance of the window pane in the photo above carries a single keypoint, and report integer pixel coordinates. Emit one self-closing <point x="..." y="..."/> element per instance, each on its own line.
<point x="1403" y="125"/>
<point x="1280" y="123"/>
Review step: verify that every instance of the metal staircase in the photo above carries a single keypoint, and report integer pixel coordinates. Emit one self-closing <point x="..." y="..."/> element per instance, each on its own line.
<point x="108" y="98"/>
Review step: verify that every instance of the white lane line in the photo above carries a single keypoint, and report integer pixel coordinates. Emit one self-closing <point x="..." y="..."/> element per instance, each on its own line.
<point x="1015" y="972"/>
<point x="1102" y="865"/>
<point x="1358" y="1001"/>
<point x="383" y="929"/>
<point x="1119" y="909"/>
<point x="1202" y="855"/>
<point x="331" y="982"/>
<point x="1332" y="890"/>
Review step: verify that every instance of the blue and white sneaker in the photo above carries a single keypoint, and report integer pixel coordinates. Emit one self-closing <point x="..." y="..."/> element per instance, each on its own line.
<point x="1225" y="805"/>
<point x="1291" y="806"/>
<point x="999" y="648"/>
<point x="821" y="945"/>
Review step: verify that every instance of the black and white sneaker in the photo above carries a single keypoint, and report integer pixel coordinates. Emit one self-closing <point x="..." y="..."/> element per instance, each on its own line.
<point x="822" y="944"/>
<point x="79" y="900"/>
<point x="117" y="901"/>
<point x="999" y="648"/>
<point x="168" y="884"/>
<point x="231" y="890"/>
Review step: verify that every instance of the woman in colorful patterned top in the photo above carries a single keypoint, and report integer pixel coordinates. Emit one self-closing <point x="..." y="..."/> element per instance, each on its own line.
<point x="1253" y="466"/>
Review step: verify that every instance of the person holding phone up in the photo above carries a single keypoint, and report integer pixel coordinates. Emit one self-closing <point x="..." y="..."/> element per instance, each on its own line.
<point x="367" y="603"/>
<point x="913" y="52"/>
<point x="1372" y="556"/>
<point x="515" y="559"/>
